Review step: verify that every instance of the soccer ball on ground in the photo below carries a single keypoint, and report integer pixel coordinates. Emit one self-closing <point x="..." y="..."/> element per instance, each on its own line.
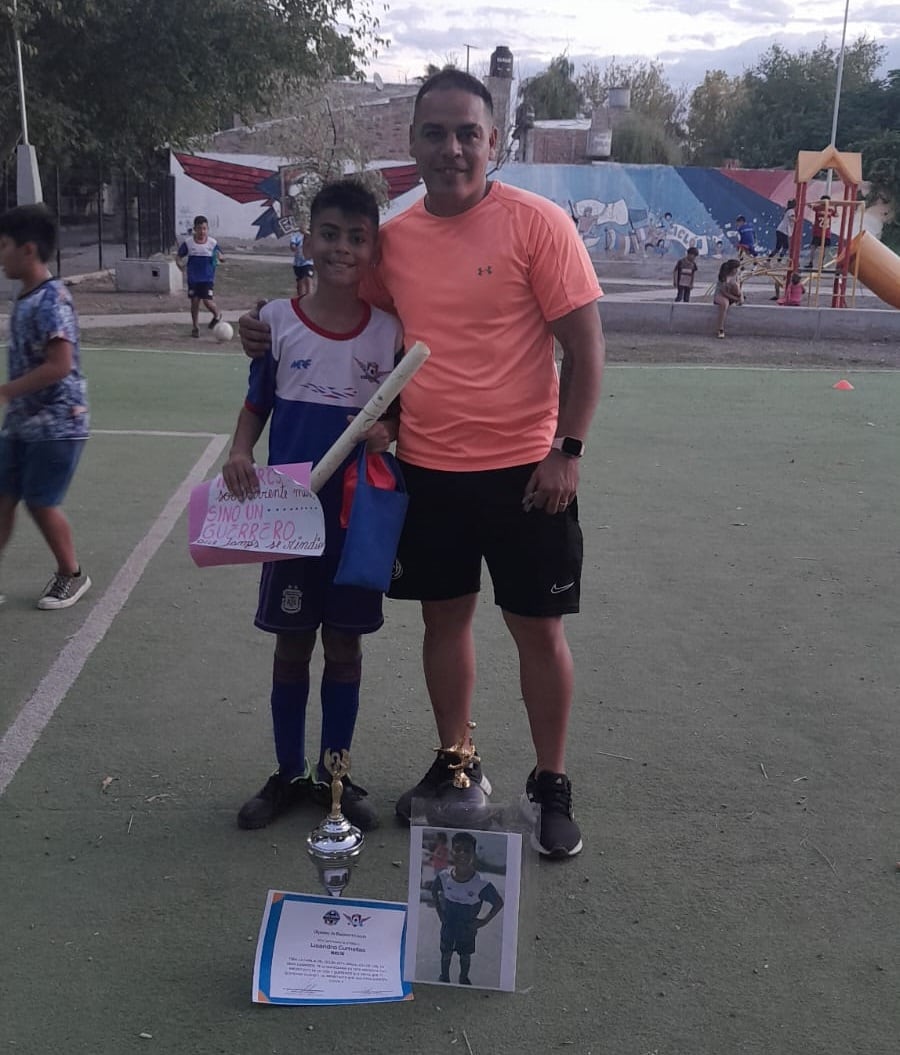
<point x="223" y="331"/>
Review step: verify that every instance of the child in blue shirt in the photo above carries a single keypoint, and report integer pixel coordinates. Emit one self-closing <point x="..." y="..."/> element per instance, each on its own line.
<point x="746" y="241"/>
<point x="328" y="355"/>
<point x="200" y="255"/>
<point x="46" y="423"/>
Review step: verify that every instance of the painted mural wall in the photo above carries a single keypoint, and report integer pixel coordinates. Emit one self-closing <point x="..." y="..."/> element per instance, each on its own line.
<point x="620" y="210"/>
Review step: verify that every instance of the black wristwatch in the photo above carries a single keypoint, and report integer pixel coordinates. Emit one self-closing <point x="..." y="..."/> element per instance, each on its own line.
<point x="568" y="446"/>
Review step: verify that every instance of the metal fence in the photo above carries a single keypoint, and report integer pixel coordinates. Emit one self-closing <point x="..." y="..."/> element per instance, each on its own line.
<point x="103" y="214"/>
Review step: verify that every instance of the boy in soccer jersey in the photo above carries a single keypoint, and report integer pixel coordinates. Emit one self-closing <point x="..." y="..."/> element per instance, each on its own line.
<point x="46" y="422"/>
<point x="459" y="892"/>
<point x="329" y="353"/>
<point x="200" y="255"/>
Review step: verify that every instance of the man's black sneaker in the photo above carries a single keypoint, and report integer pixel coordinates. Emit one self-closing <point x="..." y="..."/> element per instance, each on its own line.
<point x="439" y="779"/>
<point x="277" y="797"/>
<point x="547" y="803"/>
<point x="353" y="803"/>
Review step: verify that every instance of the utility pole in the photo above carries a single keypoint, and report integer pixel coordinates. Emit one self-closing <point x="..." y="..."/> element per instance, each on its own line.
<point x="28" y="178"/>
<point x="468" y="47"/>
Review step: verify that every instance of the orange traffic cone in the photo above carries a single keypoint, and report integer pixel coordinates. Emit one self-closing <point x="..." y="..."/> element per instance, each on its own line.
<point x="843" y="386"/>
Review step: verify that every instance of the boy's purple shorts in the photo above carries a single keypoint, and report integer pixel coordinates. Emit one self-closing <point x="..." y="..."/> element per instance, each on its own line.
<point x="298" y="595"/>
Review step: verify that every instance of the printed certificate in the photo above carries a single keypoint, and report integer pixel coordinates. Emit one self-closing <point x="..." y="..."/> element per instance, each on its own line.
<point x="322" y="950"/>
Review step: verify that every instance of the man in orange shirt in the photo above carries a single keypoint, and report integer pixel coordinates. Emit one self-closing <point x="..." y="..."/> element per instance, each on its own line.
<point x="490" y="435"/>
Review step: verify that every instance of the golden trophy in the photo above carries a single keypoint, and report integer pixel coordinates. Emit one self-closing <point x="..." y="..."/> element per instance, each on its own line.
<point x="335" y="844"/>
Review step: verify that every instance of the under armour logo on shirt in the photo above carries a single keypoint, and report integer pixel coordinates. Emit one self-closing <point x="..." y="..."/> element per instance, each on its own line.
<point x="485" y="271"/>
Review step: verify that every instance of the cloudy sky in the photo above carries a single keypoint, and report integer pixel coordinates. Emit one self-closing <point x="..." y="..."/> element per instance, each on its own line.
<point x="688" y="36"/>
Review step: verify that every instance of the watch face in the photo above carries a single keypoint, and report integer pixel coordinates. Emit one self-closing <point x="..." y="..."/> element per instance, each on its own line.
<point x="573" y="448"/>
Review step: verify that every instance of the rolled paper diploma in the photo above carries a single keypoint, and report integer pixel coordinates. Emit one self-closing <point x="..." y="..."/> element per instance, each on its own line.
<point x="370" y="413"/>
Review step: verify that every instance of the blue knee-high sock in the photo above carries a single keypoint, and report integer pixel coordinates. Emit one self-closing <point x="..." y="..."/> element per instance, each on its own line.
<point x="340" y="705"/>
<point x="290" y="691"/>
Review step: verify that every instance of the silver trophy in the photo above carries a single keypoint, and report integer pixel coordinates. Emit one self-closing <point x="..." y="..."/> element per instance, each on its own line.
<point x="335" y="844"/>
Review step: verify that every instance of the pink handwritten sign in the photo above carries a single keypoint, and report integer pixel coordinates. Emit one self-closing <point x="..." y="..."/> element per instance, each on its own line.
<point x="284" y="521"/>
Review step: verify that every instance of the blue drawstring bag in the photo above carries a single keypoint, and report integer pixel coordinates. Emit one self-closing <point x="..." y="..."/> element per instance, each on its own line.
<point x="376" y="514"/>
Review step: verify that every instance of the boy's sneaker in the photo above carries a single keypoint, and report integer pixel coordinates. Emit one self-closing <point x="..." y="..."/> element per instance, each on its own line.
<point x="439" y="779"/>
<point x="195" y="331"/>
<point x="353" y="803"/>
<point x="214" y="321"/>
<point x="547" y="803"/>
<point x="275" y="798"/>
<point x="64" y="590"/>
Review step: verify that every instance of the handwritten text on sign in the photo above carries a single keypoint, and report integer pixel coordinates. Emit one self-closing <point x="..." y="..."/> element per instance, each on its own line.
<point x="284" y="518"/>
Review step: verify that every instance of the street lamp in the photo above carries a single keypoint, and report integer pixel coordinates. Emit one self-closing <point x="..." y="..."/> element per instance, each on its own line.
<point x="28" y="178"/>
<point x="837" y="92"/>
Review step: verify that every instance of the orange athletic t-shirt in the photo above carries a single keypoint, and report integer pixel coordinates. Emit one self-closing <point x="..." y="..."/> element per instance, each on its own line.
<point x="480" y="289"/>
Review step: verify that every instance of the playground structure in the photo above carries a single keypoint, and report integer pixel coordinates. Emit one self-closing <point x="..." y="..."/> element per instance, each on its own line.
<point x="858" y="256"/>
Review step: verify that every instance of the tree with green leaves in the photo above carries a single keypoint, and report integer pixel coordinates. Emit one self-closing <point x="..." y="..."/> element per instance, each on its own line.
<point x="788" y="98"/>
<point x="115" y="80"/>
<point x="710" y="120"/>
<point x="652" y="96"/>
<point x="553" y="95"/>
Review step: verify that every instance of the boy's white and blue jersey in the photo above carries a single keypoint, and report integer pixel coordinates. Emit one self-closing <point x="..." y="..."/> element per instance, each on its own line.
<point x="58" y="411"/>
<point x="299" y="259"/>
<point x="310" y="381"/>
<point x="202" y="260"/>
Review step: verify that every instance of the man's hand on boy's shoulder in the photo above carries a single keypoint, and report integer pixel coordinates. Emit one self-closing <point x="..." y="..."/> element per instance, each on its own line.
<point x="256" y="335"/>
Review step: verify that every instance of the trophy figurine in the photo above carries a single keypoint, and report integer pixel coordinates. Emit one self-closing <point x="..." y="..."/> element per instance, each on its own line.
<point x="335" y="844"/>
<point x="463" y="802"/>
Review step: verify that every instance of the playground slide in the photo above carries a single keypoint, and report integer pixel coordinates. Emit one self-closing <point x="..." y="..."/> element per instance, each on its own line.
<point x="879" y="267"/>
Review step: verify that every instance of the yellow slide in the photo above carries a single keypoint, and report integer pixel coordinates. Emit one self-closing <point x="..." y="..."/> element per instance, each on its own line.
<point x="879" y="267"/>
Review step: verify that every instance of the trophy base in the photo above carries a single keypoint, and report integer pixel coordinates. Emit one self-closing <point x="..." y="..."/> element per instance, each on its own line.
<point x="456" y="807"/>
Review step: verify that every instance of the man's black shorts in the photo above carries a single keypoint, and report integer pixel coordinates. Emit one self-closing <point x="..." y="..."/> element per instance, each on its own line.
<point x="456" y="519"/>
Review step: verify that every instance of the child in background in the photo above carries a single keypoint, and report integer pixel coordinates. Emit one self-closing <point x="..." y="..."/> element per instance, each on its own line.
<point x="728" y="291"/>
<point x="459" y="893"/>
<point x="795" y="291"/>
<point x="683" y="275"/>
<point x="746" y="241"/>
<point x="303" y="268"/>
<point x="784" y="230"/>
<point x="200" y="255"/>
<point x="46" y="423"/>
<point x="326" y="359"/>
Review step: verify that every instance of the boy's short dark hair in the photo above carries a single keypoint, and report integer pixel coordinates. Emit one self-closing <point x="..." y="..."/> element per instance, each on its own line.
<point x="446" y="80"/>
<point x="31" y="223"/>
<point x="200" y="219"/>
<point x="693" y="251"/>
<point x="350" y="197"/>
<point x="739" y="218"/>
<point x="464" y="837"/>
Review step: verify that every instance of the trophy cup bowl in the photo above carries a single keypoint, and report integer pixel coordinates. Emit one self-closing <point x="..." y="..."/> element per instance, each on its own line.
<point x="335" y="844"/>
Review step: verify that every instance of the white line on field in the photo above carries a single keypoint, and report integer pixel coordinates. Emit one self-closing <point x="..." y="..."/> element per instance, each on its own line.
<point x="153" y="432"/>
<point x="31" y="721"/>
<point x="163" y="351"/>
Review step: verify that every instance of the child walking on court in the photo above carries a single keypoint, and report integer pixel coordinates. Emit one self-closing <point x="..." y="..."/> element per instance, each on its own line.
<point x="728" y="291"/>
<point x="200" y="255"/>
<point x="46" y="422"/>
<point x="459" y="892"/>
<point x="329" y="353"/>
<point x="683" y="275"/>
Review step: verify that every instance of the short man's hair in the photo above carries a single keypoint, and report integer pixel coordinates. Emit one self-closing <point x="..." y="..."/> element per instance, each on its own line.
<point x="350" y="197"/>
<point x="31" y="223"/>
<point x="450" y="79"/>
<point x="464" y="837"/>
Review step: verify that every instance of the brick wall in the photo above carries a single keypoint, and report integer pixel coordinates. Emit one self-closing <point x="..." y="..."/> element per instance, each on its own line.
<point x="558" y="146"/>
